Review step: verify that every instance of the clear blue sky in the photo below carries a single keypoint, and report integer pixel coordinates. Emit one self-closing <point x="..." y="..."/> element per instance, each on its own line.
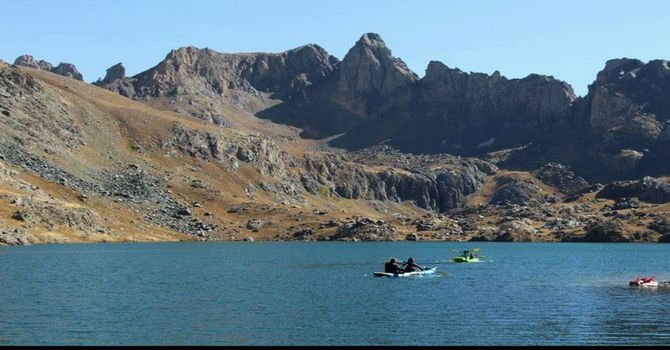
<point x="568" y="39"/>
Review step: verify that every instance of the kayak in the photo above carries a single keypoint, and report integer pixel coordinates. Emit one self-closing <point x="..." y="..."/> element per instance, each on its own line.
<point x="468" y="256"/>
<point x="462" y="259"/>
<point x="648" y="282"/>
<point x="406" y="274"/>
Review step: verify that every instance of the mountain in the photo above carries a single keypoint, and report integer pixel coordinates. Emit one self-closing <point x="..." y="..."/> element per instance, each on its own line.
<point x="299" y="145"/>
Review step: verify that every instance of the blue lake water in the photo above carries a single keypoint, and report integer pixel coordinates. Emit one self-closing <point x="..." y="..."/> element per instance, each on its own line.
<point x="324" y="293"/>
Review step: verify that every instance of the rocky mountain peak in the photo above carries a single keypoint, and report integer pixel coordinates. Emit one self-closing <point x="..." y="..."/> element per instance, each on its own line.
<point x="436" y="68"/>
<point x="369" y="68"/>
<point x="187" y="55"/>
<point x="374" y="42"/>
<point x="310" y="50"/>
<point x="311" y="59"/>
<point x="616" y="69"/>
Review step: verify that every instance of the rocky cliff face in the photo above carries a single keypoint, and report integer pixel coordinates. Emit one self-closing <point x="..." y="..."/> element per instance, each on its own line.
<point x="82" y="164"/>
<point x="617" y="131"/>
<point x="461" y="113"/>
<point x="370" y="96"/>
<point x="247" y="81"/>
<point x="630" y="113"/>
<point x="436" y="183"/>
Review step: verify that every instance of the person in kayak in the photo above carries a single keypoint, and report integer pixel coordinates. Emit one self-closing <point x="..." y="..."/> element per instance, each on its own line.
<point x="468" y="254"/>
<point x="410" y="266"/>
<point x="392" y="267"/>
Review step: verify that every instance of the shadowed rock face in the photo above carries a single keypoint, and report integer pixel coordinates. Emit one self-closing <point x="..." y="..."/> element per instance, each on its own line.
<point x="630" y="111"/>
<point x="247" y="81"/>
<point x="377" y="99"/>
<point x="370" y="96"/>
<point x="470" y="114"/>
<point x="619" y="130"/>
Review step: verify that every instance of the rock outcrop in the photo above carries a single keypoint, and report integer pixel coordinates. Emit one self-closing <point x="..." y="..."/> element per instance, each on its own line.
<point x="619" y="130"/>
<point x="115" y="72"/>
<point x="647" y="189"/>
<point x="65" y="69"/>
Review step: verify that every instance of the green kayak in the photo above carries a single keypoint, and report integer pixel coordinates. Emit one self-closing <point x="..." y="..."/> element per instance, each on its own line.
<point x="463" y="259"/>
<point x="467" y="256"/>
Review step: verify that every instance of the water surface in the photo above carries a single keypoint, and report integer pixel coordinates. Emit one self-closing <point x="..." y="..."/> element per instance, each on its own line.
<point x="324" y="293"/>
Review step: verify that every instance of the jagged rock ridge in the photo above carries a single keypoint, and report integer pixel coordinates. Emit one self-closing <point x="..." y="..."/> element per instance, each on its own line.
<point x="178" y="174"/>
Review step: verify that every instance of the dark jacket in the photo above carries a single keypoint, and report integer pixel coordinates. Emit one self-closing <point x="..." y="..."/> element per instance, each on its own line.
<point x="411" y="266"/>
<point x="391" y="267"/>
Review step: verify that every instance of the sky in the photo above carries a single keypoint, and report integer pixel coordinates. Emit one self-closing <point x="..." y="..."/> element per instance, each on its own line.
<point x="570" y="40"/>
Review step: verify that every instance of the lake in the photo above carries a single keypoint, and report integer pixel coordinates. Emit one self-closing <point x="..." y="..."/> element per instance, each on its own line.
<point x="324" y="293"/>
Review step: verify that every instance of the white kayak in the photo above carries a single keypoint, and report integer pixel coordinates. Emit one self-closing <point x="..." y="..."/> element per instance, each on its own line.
<point x="406" y="274"/>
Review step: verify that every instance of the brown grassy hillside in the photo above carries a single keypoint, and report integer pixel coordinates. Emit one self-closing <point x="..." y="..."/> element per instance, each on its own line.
<point x="117" y="132"/>
<point x="83" y="164"/>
